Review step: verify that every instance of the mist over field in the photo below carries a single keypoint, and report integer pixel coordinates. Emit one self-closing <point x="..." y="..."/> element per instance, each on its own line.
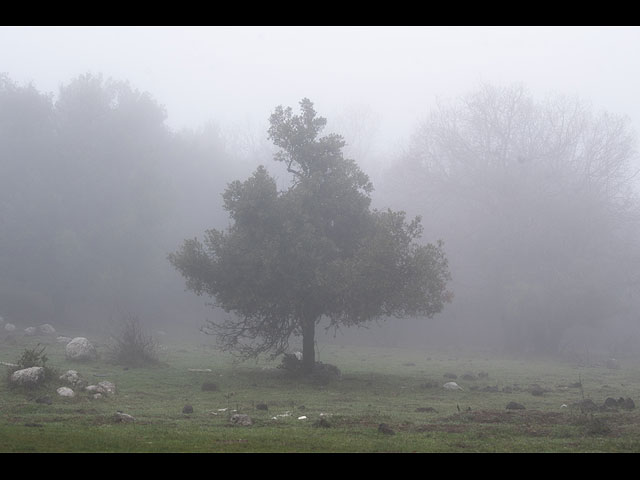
<point x="515" y="146"/>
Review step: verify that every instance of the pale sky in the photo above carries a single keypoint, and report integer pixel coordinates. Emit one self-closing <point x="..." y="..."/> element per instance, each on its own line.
<point x="237" y="75"/>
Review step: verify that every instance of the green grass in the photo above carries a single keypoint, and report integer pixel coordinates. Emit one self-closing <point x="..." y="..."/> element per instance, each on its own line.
<point x="378" y="386"/>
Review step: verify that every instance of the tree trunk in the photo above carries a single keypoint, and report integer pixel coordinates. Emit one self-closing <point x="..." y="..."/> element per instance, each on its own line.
<point x="308" y="345"/>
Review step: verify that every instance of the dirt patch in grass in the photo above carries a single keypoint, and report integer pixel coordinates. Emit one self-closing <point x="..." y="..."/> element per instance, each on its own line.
<point x="522" y="416"/>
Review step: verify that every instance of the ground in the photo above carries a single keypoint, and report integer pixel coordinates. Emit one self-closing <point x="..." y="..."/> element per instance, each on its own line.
<point x="399" y="388"/>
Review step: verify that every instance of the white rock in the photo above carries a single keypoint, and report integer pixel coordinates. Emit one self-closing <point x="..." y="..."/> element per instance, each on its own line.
<point x="30" y="331"/>
<point x="123" y="417"/>
<point x="80" y="349"/>
<point x="298" y="355"/>
<point x="10" y="327"/>
<point x="47" y="329"/>
<point x="91" y="388"/>
<point x="303" y="417"/>
<point x="28" y="376"/>
<point x="66" y="392"/>
<point x="97" y="396"/>
<point x="106" y="388"/>
<point x="72" y="377"/>
<point x="452" y="386"/>
<point x="62" y="339"/>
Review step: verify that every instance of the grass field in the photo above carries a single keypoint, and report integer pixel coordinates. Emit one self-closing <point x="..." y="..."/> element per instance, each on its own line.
<point x="400" y="388"/>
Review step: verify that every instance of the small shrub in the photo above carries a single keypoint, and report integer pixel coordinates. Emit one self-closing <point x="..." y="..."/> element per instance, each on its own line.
<point x="34" y="357"/>
<point x="131" y="347"/>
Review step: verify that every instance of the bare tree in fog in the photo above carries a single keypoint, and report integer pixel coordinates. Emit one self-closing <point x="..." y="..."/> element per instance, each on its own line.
<point x="314" y="250"/>
<point x="536" y="203"/>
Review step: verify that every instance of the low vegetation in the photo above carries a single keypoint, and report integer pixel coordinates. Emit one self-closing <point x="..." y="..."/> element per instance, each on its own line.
<point x="386" y="400"/>
<point x="131" y="347"/>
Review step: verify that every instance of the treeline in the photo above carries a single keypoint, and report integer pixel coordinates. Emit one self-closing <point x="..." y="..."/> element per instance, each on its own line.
<point x="537" y="202"/>
<point x="95" y="190"/>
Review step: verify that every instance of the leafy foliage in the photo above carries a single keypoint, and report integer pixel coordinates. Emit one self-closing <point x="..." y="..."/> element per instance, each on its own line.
<point x="314" y="250"/>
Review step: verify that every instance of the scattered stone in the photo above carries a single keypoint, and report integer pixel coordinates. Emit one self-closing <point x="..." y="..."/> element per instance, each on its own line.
<point x="80" y="349"/>
<point x="46" y="329"/>
<point x="385" y="429"/>
<point x="452" y="386"/>
<point x="241" y="419"/>
<point x="30" y="331"/>
<point x="28" y="377"/>
<point x="106" y="388"/>
<point x="209" y="387"/>
<point x="322" y="423"/>
<point x="72" y="377"/>
<point x="187" y="409"/>
<point x="96" y="396"/>
<point x="303" y="417"/>
<point x="62" y="339"/>
<point x="515" y="406"/>
<point x="10" y="327"/>
<point x="45" y="400"/>
<point x="451" y="376"/>
<point x="66" y="392"/>
<point x="262" y="406"/>
<point x="120" y="417"/>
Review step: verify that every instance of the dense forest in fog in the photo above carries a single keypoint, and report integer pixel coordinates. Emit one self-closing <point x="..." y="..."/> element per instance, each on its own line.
<point x="535" y="200"/>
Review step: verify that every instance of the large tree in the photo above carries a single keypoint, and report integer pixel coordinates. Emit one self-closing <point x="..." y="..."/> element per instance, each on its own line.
<point x="314" y="250"/>
<point x="537" y="204"/>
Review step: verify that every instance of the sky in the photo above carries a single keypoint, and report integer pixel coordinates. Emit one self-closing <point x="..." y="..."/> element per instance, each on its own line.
<point x="237" y="75"/>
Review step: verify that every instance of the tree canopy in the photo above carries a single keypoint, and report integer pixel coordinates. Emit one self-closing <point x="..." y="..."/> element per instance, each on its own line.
<point x="315" y="250"/>
<point x="536" y="201"/>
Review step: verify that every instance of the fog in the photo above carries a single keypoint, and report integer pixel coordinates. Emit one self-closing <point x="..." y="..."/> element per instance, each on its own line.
<point x="516" y="146"/>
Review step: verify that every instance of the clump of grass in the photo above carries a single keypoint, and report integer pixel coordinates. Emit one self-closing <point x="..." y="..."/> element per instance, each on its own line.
<point x="131" y="347"/>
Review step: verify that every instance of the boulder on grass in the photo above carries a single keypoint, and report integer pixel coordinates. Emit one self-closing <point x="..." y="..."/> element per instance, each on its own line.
<point x="66" y="392"/>
<point x="28" y="377"/>
<point x="80" y="349"/>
